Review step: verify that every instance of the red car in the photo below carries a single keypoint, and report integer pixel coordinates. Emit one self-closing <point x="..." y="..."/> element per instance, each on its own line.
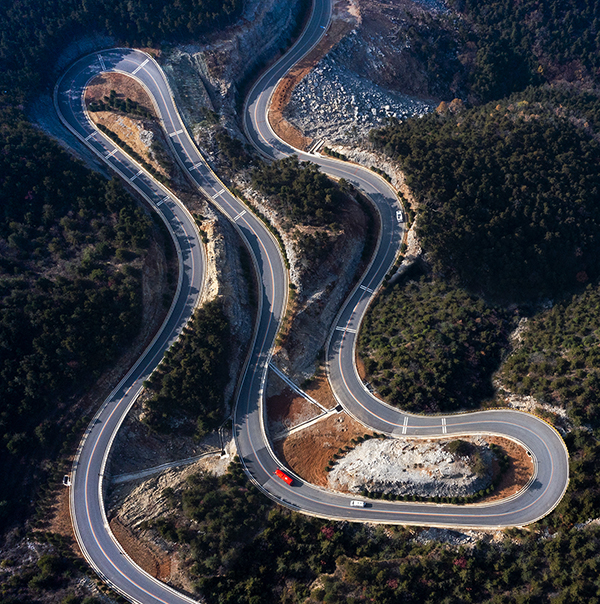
<point x="283" y="476"/>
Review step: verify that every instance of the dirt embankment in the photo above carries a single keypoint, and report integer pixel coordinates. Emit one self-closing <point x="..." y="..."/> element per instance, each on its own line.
<point x="344" y="18"/>
<point x="286" y="409"/>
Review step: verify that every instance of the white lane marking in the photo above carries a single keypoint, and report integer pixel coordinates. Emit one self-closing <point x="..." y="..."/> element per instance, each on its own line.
<point x="366" y="289"/>
<point x="219" y="193"/>
<point x="239" y="215"/>
<point x="158" y="203"/>
<point x="110" y="154"/>
<point x="139" y="67"/>
<point x="135" y="176"/>
<point x="405" y="425"/>
<point x="194" y="166"/>
<point x="346" y="329"/>
<point x="87" y="138"/>
<point x="175" y="133"/>
<point x="444" y="428"/>
<point x="102" y="62"/>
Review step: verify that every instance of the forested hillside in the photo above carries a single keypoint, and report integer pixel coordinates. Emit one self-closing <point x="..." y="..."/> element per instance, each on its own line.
<point x="483" y="51"/>
<point x="508" y="196"/>
<point x="430" y="347"/>
<point x="521" y="43"/>
<point x="70" y="294"/>
<point x="33" y="33"/>
<point x="244" y="549"/>
<point x="189" y="385"/>
<point x="558" y="357"/>
<point x="299" y="190"/>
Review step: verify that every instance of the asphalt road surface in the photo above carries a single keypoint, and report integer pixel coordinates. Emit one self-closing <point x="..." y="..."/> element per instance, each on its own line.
<point x="87" y="507"/>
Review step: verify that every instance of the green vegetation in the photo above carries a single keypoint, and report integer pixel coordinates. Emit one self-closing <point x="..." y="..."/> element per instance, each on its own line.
<point x="333" y="153"/>
<point x="233" y="149"/>
<point x="244" y="549"/>
<point x="427" y="346"/>
<point x="493" y="49"/>
<point x="188" y="385"/>
<point x="299" y="190"/>
<point x="508" y="197"/>
<point x="558" y="358"/>
<point x="517" y="45"/>
<point x="381" y="173"/>
<point x="70" y="295"/>
<point x="33" y="33"/>
<point x="52" y="572"/>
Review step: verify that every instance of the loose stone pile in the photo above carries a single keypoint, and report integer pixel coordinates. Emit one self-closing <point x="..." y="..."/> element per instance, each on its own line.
<point x="334" y="103"/>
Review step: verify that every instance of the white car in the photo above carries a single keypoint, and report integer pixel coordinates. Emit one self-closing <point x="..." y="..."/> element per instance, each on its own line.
<point x="355" y="503"/>
<point x="399" y="216"/>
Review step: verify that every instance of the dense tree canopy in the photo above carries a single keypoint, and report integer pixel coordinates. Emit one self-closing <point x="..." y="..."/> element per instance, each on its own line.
<point x="489" y="50"/>
<point x="518" y="43"/>
<point x="428" y="347"/>
<point x="508" y="197"/>
<point x="558" y="357"/>
<point x="190" y="382"/>
<point x="244" y="549"/>
<point x="32" y="33"/>
<point x="69" y="296"/>
<point x="299" y="190"/>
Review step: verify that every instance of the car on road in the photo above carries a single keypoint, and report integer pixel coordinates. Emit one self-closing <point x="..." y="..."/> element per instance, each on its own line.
<point x="357" y="503"/>
<point x="283" y="476"/>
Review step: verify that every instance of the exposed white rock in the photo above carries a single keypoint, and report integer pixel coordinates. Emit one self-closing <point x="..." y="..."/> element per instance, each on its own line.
<point x="340" y="116"/>
<point x="409" y="467"/>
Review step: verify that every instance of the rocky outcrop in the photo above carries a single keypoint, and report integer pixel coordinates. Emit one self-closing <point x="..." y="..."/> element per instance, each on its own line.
<point x="410" y="467"/>
<point x="336" y="104"/>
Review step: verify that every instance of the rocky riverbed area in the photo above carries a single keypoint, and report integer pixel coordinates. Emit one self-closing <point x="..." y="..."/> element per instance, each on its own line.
<point x="424" y="468"/>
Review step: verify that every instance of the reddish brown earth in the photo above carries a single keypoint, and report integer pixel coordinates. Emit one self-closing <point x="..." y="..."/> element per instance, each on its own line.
<point x="307" y="452"/>
<point x="151" y="559"/>
<point x="519" y="471"/>
<point x="283" y="93"/>
<point x="288" y="409"/>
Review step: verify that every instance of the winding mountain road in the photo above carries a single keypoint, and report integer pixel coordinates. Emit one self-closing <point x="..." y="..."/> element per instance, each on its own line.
<point x="87" y="507"/>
